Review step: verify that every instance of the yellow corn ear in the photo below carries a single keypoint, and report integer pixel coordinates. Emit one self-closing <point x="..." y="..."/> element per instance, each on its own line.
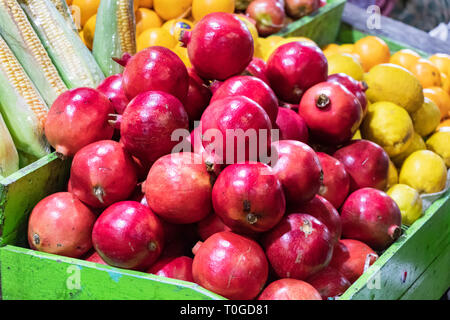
<point x="64" y="10"/>
<point x="9" y="158"/>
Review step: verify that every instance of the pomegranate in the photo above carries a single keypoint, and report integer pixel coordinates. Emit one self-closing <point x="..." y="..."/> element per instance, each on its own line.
<point x="95" y="257"/>
<point x="288" y="65"/>
<point x="178" y="239"/>
<point x="323" y="3"/>
<point x="211" y="160"/>
<point x="77" y="118"/>
<point x="366" y="163"/>
<point x="268" y="14"/>
<point x="61" y="224"/>
<point x="178" y="188"/>
<point x="257" y="68"/>
<point x="324" y="211"/>
<point x="230" y="265"/>
<point x="351" y="257"/>
<point x="236" y="129"/>
<point x="358" y="88"/>
<point x="371" y="216"/>
<point x="102" y="173"/>
<point x="112" y="88"/>
<point x="332" y="113"/>
<point x="300" y="8"/>
<point x="252" y="88"/>
<point x="248" y="197"/>
<point x="298" y="169"/>
<point x="128" y="235"/>
<point x="210" y="225"/>
<point x="336" y="181"/>
<point x="329" y="282"/>
<point x="156" y="69"/>
<point x="173" y="267"/>
<point x="291" y="126"/>
<point x="219" y="46"/>
<point x="289" y="289"/>
<point x="299" y="246"/>
<point x="198" y="96"/>
<point x="148" y="124"/>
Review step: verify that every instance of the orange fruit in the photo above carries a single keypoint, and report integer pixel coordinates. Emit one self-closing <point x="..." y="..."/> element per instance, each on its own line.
<point x="89" y="31"/>
<point x="445" y="123"/>
<point x="136" y="5"/>
<point x="427" y="73"/>
<point x="182" y="54"/>
<point x="69" y="2"/>
<point x="81" y="33"/>
<point x="330" y="49"/>
<point x="146" y="19"/>
<point x="201" y="8"/>
<point x="87" y="8"/>
<point x="155" y="37"/>
<point x="171" y="9"/>
<point x="445" y="82"/>
<point x="405" y="58"/>
<point x="146" y="4"/>
<point x="440" y="98"/>
<point x="442" y="62"/>
<point x="372" y="51"/>
<point x="175" y="26"/>
<point x="346" y="48"/>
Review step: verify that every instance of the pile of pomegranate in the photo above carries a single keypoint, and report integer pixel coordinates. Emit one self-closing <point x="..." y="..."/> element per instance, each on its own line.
<point x="289" y="207"/>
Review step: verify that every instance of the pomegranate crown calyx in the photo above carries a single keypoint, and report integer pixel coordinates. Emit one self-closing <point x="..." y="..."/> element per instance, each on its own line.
<point x="323" y="100"/>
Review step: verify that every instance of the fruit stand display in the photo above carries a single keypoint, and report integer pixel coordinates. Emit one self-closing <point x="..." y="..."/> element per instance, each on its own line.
<point x="397" y="248"/>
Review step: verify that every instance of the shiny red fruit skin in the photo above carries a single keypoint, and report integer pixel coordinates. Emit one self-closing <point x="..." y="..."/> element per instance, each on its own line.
<point x="263" y="10"/>
<point x="350" y="257"/>
<point x="198" y="97"/>
<point x="148" y="123"/>
<point x="336" y="181"/>
<point x="337" y="119"/>
<point x="299" y="246"/>
<point x="249" y="198"/>
<point x="354" y="86"/>
<point x="112" y="88"/>
<point x="102" y="173"/>
<point x="291" y="126"/>
<point x="77" y="118"/>
<point x="289" y="289"/>
<point x="257" y="68"/>
<point x="371" y="216"/>
<point x="210" y="225"/>
<point x="288" y="65"/>
<point x="219" y="46"/>
<point x="61" y="224"/>
<point x="226" y="277"/>
<point x="298" y="170"/>
<point x="300" y="8"/>
<point x="95" y="257"/>
<point x="128" y="235"/>
<point x="156" y="69"/>
<point x="366" y="163"/>
<point x="179" y="188"/>
<point x="173" y="267"/>
<point x="253" y="88"/>
<point x="329" y="282"/>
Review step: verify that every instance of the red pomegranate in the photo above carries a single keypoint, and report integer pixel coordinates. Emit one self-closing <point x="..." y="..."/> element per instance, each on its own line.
<point x="156" y="69"/>
<point x="299" y="246"/>
<point x="212" y="161"/>
<point x="257" y="68"/>
<point x="332" y="113"/>
<point x="366" y="163"/>
<point x="148" y="124"/>
<point x="61" y="224"/>
<point x="198" y="98"/>
<point x="102" y="173"/>
<point x="219" y="46"/>
<point x="291" y="126"/>
<point x="248" y="197"/>
<point x="324" y="211"/>
<point x="112" y="88"/>
<point x="300" y="8"/>
<point x="178" y="239"/>
<point x="358" y="88"/>
<point x="178" y="188"/>
<point x="288" y="65"/>
<point x="290" y="106"/>
<point x="128" y="235"/>
<point x="230" y="265"/>
<point x="95" y="257"/>
<point x="351" y="257"/>
<point x="252" y="88"/>
<point x="329" y="282"/>
<point x="336" y="181"/>
<point x="268" y="14"/>
<point x="210" y="225"/>
<point x="236" y="129"/>
<point x="173" y="267"/>
<point x="77" y="118"/>
<point x="371" y="216"/>
<point x="289" y="289"/>
<point x="298" y="170"/>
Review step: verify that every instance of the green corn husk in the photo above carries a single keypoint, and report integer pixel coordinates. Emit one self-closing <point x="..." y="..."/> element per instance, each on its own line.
<point x="9" y="158"/>
<point x="64" y="10"/>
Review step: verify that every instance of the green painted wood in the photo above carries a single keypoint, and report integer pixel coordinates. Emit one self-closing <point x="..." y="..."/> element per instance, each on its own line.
<point x="322" y="26"/>
<point x="22" y="190"/>
<point x="32" y="275"/>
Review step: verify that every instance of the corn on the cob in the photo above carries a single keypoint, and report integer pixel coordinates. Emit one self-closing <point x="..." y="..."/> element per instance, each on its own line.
<point x="22" y="107"/>
<point x="63" y="8"/>
<point x="28" y="49"/>
<point x="71" y="57"/>
<point x="115" y="34"/>
<point x="9" y="158"/>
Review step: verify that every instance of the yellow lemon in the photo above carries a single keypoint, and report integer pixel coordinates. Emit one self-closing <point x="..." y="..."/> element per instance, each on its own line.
<point x="251" y="27"/>
<point x="388" y="125"/>
<point x="81" y="33"/>
<point x="439" y="143"/>
<point x="171" y="9"/>
<point x="389" y="82"/>
<point x="416" y="144"/>
<point x="357" y="135"/>
<point x="146" y="19"/>
<point x="346" y="48"/>
<point x="424" y="171"/>
<point x="409" y="202"/>
<point x="345" y="63"/>
<point x="183" y="54"/>
<point x="392" y="175"/>
<point x="201" y="8"/>
<point x="266" y="45"/>
<point x="89" y="31"/>
<point x="426" y="118"/>
<point x="330" y="49"/>
<point x="155" y="37"/>
<point x="85" y="9"/>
